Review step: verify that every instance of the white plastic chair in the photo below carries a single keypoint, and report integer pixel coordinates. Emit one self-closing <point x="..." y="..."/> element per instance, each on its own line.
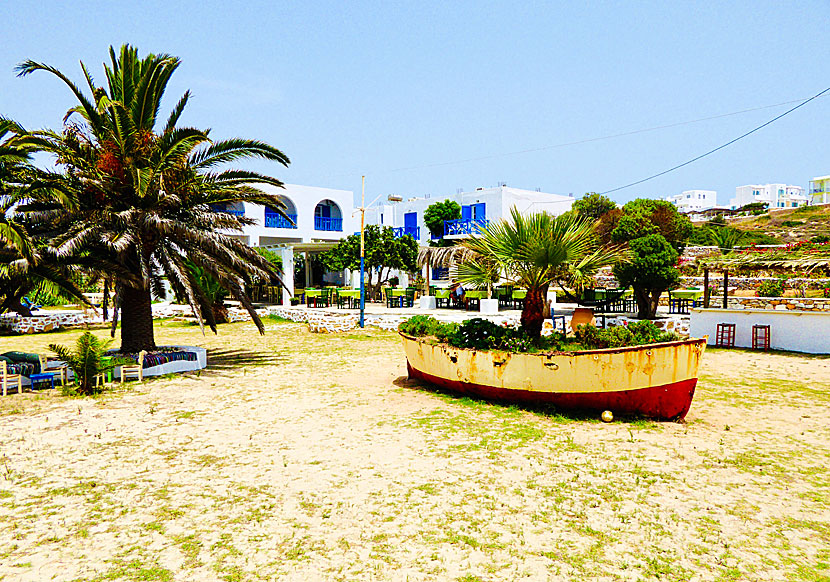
<point x="136" y="370"/>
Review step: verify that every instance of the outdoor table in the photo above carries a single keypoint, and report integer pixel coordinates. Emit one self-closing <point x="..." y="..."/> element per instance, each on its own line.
<point x="680" y="300"/>
<point x="42" y="379"/>
<point x="475" y="296"/>
<point x="519" y="297"/>
<point x="312" y="294"/>
<point x="694" y="294"/>
<point x="353" y="295"/>
<point x="400" y="293"/>
<point x="442" y="296"/>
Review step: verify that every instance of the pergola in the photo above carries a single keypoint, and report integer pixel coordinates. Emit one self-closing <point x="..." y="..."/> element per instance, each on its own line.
<point x="806" y="258"/>
<point x="431" y="257"/>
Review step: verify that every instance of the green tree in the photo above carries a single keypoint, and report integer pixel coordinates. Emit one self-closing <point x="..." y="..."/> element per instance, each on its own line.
<point x="535" y="250"/>
<point x="384" y="253"/>
<point x="651" y="272"/>
<point x="27" y="266"/>
<point x="438" y="212"/>
<point x="139" y="196"/>
<point x="660" y="226"/>
<point x="593" y="205"/>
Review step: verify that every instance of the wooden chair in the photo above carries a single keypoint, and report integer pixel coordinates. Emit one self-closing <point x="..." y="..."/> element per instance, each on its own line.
<point x="134" y="369"/>
<point x="61" y="372"/>
<point x="7" y="379"/>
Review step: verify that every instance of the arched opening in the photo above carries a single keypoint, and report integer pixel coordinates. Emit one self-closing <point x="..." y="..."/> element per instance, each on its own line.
<point x="327" y="216"/>
<point x="274" y="219"/>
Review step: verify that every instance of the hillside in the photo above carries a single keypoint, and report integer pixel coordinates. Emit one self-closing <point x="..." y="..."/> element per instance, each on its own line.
<point x="790" y="224"/>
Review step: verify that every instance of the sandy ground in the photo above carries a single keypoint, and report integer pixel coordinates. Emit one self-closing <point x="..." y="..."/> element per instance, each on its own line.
<point x="307" y="457"/>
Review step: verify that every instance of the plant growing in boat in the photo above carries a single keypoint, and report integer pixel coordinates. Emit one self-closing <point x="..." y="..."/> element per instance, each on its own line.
<point x="482" y="334"/>
<point x="534" y="250"/>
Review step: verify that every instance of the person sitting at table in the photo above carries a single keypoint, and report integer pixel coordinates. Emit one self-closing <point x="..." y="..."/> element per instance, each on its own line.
<point x="459" y="294"/>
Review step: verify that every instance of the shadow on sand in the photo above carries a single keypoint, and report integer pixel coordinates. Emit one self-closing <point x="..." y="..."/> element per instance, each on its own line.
<point x="546" y="410"/>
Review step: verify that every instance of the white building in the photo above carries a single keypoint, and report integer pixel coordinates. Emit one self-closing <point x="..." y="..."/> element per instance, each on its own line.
<point x="317" y="215"/>
<point x="775" y="195"/>
<point x="477" y="207"/>
<point x="694" y="200"/>
<point x="820" y="190"/>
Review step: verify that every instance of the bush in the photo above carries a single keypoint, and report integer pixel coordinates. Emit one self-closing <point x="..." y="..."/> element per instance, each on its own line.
<point x="820" y="238"/>
<point x="636" y="333"/>
<point x="420" y="326"/>
<point x="478" y="334"/>
<point x="792" y="223"/>
<point x="771" y="288"/>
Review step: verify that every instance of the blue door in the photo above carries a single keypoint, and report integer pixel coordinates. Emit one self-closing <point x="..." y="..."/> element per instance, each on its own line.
<point x="466" y="212"/>
<point x="479" y="211"/>
<point x="410" y="220"/>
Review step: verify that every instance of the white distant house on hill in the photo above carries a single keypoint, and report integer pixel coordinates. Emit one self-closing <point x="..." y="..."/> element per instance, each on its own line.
<point x="820" y="190"/>
<point x="775" y="195"/>
<point x="478" y="207"/>
<point x="317" y="215"/>
<point x="690" y="201"/>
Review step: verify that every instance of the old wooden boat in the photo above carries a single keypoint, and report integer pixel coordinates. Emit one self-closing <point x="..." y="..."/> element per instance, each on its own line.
<point x="656" y="380"/>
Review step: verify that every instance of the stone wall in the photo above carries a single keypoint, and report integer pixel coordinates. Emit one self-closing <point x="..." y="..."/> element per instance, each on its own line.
<point x="777" y="303"/>
<point x="40" y="323"/>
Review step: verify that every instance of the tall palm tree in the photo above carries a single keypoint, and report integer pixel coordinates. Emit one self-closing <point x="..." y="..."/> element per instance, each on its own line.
<point x="137" y="199"/>
<point x="535" y="250"/>
<point x="26" y="264"/>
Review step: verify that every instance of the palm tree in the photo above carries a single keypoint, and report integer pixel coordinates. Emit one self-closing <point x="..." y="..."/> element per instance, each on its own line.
<point x="726" y="238"/>
<point x="26" y="264"/>
<point x="139" y="201"/>
<point x="535" y="250"/>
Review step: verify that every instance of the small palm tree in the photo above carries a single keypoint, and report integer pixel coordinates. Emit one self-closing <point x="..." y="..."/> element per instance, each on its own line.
<point x="140" y="197"/>
<point x="535" y="250"/>
<point x="726" y="238"/>
<point x="87" y="361"/>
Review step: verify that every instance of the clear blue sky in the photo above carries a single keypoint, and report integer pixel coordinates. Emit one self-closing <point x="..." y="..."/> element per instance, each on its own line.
<point x="353" y="87"/>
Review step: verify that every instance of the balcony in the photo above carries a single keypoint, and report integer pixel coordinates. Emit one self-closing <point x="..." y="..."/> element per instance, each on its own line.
<point x="279" y="221"/>
<point x="226" y="210"/>
<point x="328" y="224"/>
<point x="413" y="231"/>
<point x="464" y="226"/>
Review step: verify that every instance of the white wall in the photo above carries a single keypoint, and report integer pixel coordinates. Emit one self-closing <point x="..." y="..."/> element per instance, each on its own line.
<point x="798" y="331"/>
<point x="694" y="200"/>
<point x="305" y="200"/>
<point x="770" y="193"/>
<point x="498" y="202"/>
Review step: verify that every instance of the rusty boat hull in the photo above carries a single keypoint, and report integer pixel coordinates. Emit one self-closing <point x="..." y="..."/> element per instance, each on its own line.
<point x="656" y="380"/>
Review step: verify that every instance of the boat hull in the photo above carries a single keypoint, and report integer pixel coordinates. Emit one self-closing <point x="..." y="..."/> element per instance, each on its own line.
<point x="657" y="380"/>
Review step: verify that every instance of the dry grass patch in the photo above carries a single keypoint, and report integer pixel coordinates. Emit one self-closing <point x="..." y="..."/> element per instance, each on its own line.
<point x="300" y="456"/>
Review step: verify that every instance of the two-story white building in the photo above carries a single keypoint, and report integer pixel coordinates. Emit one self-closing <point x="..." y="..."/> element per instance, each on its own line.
<point x="316" y="215"/>
<point x="477" y="207"/>
<point x="820" y="190"/>
<point x="775" y="195"/>
<point x="319" y="218"/>
<point x="694" y="200"/>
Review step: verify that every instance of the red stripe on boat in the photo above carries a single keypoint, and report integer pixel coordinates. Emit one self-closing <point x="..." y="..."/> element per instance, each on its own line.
<point x="666" y="402"/>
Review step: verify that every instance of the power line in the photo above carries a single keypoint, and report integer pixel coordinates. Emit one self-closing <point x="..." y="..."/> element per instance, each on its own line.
<point x="590" y="139"/>
<point x="740" y="137"/>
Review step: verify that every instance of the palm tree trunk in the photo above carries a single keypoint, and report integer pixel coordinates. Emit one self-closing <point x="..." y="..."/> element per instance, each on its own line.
<point x="533" y="317"/>
<point x="136" y="320"/>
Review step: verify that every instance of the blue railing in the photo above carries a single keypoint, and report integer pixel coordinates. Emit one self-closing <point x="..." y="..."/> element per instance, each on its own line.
<point x="464" y="226"/>
<point x="279" y="221"/>
<point x="413" y="231"/>
<point x="441" y="273"/>
<point x="329" y="224"/>
<point x="817" y="191"/>
<point x="225" y="209"/>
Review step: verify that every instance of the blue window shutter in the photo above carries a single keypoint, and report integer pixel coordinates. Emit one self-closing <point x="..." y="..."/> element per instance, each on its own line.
<point x="410" y="219"/>
<point x="466" y="212"/>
